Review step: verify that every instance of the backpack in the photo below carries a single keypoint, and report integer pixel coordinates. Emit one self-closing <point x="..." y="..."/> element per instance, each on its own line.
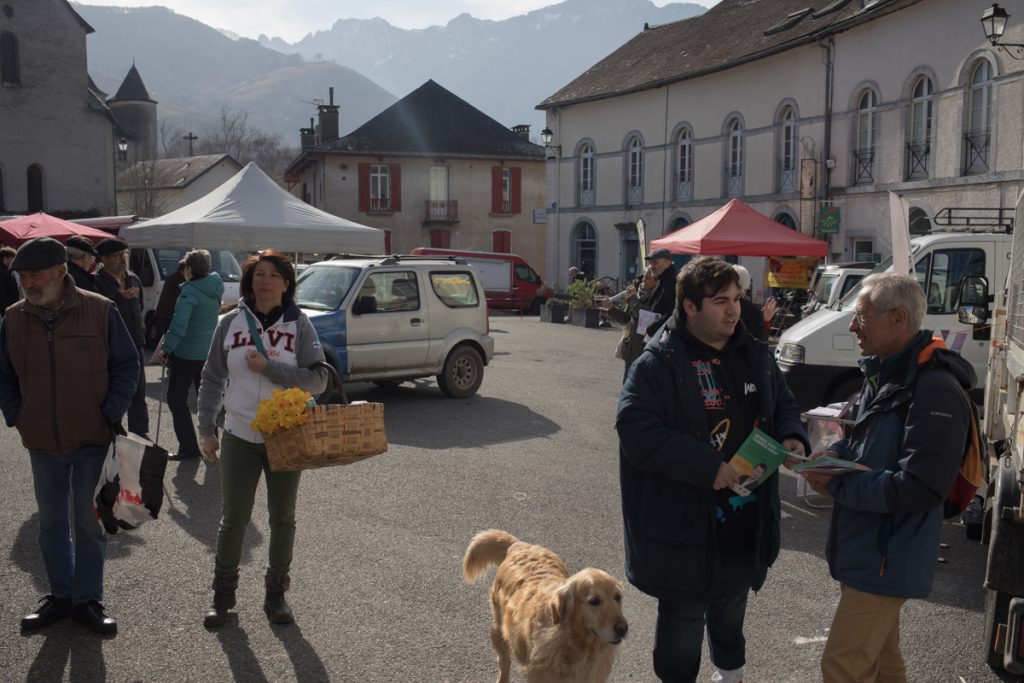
<point x="972" y="472"/>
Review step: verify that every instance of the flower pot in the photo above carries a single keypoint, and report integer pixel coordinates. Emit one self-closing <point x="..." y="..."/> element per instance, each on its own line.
<point x="553" y="313"/>
<point x="586" y="317"/>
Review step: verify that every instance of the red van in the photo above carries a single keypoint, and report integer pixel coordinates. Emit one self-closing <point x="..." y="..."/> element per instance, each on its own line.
<point x="509" y="281"/>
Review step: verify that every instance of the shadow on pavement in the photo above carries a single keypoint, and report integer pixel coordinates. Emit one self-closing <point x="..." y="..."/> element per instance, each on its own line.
<point x="80" y="658"/>
<point x="304" y="658"/>
<point x="241" y="659"/>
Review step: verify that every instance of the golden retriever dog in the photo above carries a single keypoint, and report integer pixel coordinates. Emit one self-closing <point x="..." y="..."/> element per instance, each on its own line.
<point x="561" y="628"/>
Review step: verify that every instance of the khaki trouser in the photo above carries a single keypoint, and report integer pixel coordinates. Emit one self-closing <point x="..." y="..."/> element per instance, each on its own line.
<point x="864" y="641"/>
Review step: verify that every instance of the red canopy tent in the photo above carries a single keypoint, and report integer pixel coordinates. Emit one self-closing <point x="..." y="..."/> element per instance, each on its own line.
<point x="738" y="230"/>
<point x="16" y="231"/>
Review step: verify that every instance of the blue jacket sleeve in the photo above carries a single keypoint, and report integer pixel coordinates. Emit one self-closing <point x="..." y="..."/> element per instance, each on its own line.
<point x="933" y="447"/>
<point x="648" y="442"/>
<point x="123" y="368"/>
<point x="10" y="388"/>
<point x="179" y="322"/>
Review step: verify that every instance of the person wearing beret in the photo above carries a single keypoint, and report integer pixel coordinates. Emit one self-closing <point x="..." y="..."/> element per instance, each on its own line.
<point x="9" y="290"/>
<point x="662" y="300"/>
<point x="81" y="258"/>
<point x="74" y="351"/>
<point x="124" y="288"/>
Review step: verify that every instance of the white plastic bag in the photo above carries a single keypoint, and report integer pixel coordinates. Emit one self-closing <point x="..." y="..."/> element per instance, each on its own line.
<point x="130" y="489"/>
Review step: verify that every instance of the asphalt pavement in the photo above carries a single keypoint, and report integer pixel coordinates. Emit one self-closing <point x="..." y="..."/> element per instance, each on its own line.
<point x="376" y="583"/>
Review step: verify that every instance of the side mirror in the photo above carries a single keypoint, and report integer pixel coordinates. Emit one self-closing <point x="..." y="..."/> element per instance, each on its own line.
<point x="972" y="309"/>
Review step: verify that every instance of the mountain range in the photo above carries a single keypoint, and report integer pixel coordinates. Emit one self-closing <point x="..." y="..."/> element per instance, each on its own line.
<point x="504" y="68"/>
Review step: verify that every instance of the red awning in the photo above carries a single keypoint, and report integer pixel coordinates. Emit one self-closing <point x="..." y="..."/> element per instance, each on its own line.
<point x="16" y="231"/>
<point x="738" y="230"/>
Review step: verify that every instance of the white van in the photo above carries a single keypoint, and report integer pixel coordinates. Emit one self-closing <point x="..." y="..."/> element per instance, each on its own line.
<point x="819" y="354"/>
<point x="154" y="266"/>
<point x="834" y="282"/>
<point x="395" y="318"/>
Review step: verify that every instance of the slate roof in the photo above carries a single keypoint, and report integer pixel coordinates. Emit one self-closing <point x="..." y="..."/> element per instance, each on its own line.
<point x="730" y="33"/>
<point x="171" y="174"/>
<point x="431" y="121"/>
<point x="132" y="89"/>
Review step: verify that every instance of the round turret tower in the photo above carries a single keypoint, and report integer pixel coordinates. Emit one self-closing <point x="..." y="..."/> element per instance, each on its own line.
<point x="135" y="113"/>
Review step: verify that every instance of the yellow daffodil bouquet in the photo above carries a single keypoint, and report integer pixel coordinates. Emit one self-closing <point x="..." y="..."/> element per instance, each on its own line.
<point x="285" y="409"/>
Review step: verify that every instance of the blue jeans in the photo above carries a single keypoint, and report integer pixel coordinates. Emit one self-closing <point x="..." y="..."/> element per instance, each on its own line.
<point x="679" y="634"/>
<point x="65" y="486"/>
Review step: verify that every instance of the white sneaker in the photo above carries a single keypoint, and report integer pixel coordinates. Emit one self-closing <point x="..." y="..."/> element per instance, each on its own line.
<point x="727" y="676"/>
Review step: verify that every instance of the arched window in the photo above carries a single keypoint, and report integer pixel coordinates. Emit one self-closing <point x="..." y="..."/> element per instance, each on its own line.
<point x="584" y="249"/>
<point x="788" y="159"/>
<point x="920" y="224"/>
<point x="679" y="222"/>
<point x="784" y="218"/>
<point x="864" y="138"/>
<point x="919" y="129"/>
<point x="35" y="188"/>
<point x="10" y="69"/>
<point x="684" y="165"/>
<point x="979" y="119"/>
<point x="635" y="170"/>
<point x="734" y="162"/>
<point x="586" y="175"/>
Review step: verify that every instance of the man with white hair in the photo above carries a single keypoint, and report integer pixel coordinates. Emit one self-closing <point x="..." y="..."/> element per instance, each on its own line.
<point x="750" y="313"/>
<point x="911" y="429"/>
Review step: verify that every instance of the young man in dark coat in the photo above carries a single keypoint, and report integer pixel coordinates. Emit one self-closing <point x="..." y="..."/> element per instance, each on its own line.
<point x="688" y="402"/>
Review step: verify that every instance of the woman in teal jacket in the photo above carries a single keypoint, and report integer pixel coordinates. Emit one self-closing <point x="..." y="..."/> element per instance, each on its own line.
<point x="187" y="342"/>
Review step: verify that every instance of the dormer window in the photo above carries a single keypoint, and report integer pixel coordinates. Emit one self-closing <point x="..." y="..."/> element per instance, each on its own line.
<point x="791" y="20"/>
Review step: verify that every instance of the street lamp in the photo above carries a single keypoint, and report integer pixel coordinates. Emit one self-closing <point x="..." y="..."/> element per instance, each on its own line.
<point x="545" y="136"/>
<point x="993" y="22"/>
<point x="122" y="149"/>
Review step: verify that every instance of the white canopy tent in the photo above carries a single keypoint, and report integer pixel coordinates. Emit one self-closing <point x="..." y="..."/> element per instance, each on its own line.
<point x="251" y="212"/>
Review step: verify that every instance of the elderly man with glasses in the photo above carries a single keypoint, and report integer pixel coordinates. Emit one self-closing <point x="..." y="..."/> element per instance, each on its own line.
<point x="911" y="426"/>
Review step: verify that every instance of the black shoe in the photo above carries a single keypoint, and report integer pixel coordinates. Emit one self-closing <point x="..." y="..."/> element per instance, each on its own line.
<point x="52" y="609"/>
<point x="94" y="615"/>
<point x="182" y="456"/>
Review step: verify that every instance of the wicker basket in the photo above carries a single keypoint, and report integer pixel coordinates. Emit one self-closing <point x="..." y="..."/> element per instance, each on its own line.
<point x="336" y="434"/>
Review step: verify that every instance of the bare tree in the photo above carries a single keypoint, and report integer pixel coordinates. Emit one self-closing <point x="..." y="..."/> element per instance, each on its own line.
<point x="234" y="135"/>
<point x="142" y="191"/>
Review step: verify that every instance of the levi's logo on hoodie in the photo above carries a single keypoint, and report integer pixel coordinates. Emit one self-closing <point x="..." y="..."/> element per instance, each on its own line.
<point x="240" y="339"/>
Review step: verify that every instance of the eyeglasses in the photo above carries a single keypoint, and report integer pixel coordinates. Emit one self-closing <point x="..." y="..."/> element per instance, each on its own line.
<point x="860" y="317"/>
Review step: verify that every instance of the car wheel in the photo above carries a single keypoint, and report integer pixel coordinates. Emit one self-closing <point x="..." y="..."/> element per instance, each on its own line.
<point x="996" y="606"/>
<point x="462" y="373"/>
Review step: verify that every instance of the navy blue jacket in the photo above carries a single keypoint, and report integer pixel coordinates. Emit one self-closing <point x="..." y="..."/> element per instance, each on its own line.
<point x="667" y="467"/>
<point x="911" y="429"/>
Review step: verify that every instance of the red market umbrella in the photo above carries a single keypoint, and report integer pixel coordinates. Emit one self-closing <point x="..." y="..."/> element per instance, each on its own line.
<point x="738" y="230"/>
<point x="16" y="231"/>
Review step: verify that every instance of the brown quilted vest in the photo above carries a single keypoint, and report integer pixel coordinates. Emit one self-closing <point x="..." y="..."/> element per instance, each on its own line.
<point x="62" y="372"/>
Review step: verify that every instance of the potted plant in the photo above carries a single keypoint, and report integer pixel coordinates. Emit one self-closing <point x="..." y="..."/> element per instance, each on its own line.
<point x="581" y="303"/>
<point x="554" y="309"/>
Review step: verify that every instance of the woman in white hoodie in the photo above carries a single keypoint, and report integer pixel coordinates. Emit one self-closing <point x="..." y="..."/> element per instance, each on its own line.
<point x="267" y="343"/>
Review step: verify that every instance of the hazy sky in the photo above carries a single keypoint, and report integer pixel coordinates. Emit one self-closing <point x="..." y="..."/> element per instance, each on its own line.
<point x="292" y="20"/>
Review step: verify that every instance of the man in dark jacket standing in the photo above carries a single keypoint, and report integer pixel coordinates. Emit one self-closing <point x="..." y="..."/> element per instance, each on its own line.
<point x="121" y="286"/>
<point x="9" y="291"/>
<point x="688" y="402"/>
<point x="662" y="300"/>
<point x="81" y="258"/>
<point x="911" y="429"/>
<point x="55" y="344"/>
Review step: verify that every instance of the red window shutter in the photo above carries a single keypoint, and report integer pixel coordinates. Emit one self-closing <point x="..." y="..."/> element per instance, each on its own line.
<point x="395" y="171"/>
<point x="387" y="242"/>
<point x="496" y="189"/>
<point x="439" y="238"/>
<point x="364" y="187"/>
<point x="501" y="241"/>
<point x="517" y="190"/>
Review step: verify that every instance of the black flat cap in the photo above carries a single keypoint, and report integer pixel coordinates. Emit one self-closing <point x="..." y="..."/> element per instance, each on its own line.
<point x="660" y="253"/>
<point x="111" y="245"/>
<point x="82" y="244"/>
<point x="39" y="254"/>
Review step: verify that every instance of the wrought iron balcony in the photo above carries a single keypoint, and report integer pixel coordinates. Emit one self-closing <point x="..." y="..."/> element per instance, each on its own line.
<point x="976" y="148"/>
<point x="380" y="206"/>
<point x="863" y="166"/>
<point x="441" y="211"/>
<point x="917" y="159"/>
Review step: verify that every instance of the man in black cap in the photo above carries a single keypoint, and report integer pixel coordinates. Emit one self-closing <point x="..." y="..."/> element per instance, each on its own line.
<point x="9" y="290"/>
<point x="68" y="368"/>
<point x="81" y="257"/>
<point x="121" y="286"/>
<point x="662" y="299"/>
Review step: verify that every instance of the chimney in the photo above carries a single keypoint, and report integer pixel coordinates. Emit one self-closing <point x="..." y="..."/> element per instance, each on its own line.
<point x="522" y="130"/>
<point x="307" y="136"/>
<point x="328" y="114"/>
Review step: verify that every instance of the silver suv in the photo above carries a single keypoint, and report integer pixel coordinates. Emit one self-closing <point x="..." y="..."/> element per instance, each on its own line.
<point x="395" y="318"/>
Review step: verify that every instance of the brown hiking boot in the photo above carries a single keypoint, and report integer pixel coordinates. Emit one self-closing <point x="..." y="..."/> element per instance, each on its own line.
<point x="223" y="600"/>
<point x="278" y="611"/>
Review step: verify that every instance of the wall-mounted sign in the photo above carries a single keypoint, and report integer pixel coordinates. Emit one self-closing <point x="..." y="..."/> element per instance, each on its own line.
<point x="828" y="220"/>
<point x="540" y="216"/>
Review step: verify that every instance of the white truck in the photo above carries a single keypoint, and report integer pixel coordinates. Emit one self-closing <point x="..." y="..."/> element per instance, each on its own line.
<point x="994" y="305"/>
<point x="819" y="354"/>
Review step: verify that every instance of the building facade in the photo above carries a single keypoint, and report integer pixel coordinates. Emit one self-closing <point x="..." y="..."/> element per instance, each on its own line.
<point x="810" y="114"/>
<point x="431" y="170"/>
<point x="152" y="188"/>
<point x="56" y="133"/>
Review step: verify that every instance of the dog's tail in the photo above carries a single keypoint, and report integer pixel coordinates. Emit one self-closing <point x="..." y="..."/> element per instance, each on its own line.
<point x="487" y="548"/>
